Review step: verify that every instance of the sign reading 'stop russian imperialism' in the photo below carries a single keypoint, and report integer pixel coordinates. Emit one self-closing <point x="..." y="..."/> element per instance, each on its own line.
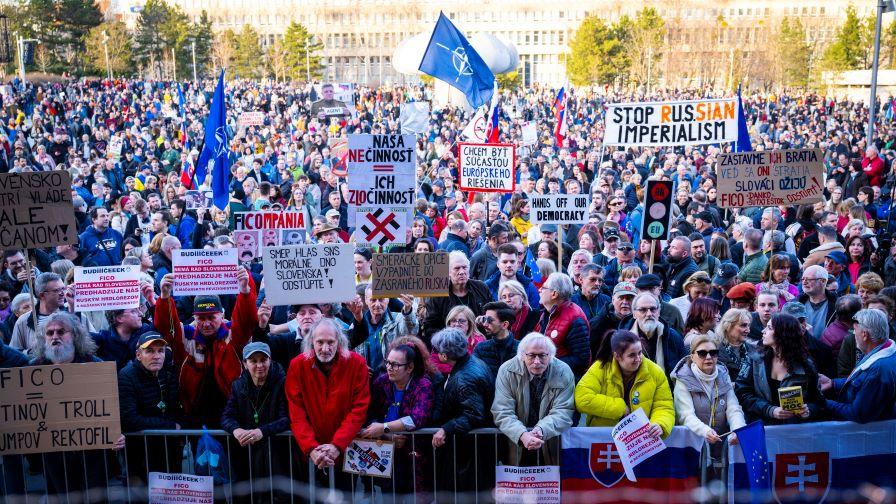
<point x="487" y="167"/>
<point x="769" y="178"/>
<point x="692" y="122"/>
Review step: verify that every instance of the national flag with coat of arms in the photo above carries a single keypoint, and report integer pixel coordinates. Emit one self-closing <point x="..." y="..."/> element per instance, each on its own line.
<point x="590" y="463"/>
<point x="559" y="110"/>
<point x="818" y="462"/>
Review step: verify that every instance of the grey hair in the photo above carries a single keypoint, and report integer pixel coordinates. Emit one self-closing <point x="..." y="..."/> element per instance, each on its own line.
<point x="61" y="267"/>
<point x="743" y="223"/>
<point x="875" y="321"/>
<point x="644" y="294"/>
<point x="456" y="256"/>
<point x="450" y="342"/>
<point x="458" y="225"/>
<point x="515" y="287"/>
<point x="341" y="338"/>
<point x="40" y="284"/>
<point x="169" y="242"/>
<point x="561" y="284"/>
<point x="83" y="343"/>
<point x="533" y="338"/>
<point x="753" y="238"/>
<point x="776" y="214"/>
<point x="19" y="300"/>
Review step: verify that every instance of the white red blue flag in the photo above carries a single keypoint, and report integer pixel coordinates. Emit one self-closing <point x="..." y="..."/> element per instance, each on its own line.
<point x="559" y="108"/>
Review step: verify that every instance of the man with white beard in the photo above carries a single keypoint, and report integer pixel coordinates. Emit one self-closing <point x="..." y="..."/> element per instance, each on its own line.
<point x="64" y="341"/>
<point x="662" y="344"/>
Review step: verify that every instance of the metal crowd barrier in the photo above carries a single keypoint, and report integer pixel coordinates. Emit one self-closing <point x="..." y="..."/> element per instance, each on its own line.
<point x="296" y="481"/>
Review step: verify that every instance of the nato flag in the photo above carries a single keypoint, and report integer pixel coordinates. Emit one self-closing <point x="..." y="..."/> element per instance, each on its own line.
<point x="216" y="148"/>
<point x="752" y="441"/>
<point x="743" y="134"/>
<point x="450" y="58"/>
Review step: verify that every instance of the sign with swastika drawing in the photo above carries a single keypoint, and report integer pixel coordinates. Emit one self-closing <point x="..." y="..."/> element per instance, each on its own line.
<point x="382" y="225"/>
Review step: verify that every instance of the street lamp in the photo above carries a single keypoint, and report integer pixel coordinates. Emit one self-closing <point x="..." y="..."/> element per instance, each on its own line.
<point x="308" y="42"/>
<point x="106" y="51"/>
<point x="193" y="44"/>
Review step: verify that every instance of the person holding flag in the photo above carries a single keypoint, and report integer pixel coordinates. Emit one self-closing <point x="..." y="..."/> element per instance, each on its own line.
<point x="559" y="110"/>
<point x="188" y="169"/>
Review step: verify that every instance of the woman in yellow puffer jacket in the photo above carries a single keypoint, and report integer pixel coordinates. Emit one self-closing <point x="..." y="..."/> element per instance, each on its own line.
<point x="622" y="380"/>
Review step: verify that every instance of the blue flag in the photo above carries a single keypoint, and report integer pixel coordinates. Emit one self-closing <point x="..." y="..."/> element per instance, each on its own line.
<point x="450" y="58"/>
<point x="534" y="271"/>
<point x="743" y="134"/>
<point x="752" y="441"/>
<point x="216" y="148"/>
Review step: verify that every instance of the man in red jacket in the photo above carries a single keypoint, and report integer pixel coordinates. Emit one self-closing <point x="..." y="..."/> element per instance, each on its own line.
<point x="328" y="393"/>
<point x="207" y="351"/>
<point x="873" y="166"/>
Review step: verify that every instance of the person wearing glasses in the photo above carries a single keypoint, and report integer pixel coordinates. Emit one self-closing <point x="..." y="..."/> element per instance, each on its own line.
<point x="402" y="399"/>
<point x="50" y="292"/>
<point x="616" y="212"/>
<point x="662" y="344"/>
<point x="565" y="323"/>
<point x="696" y="286"/>
<point x="820" y="303"/>
<point x="704" y="396"/>
<point x="534" y="400"/>
<point x="622" y="380"/>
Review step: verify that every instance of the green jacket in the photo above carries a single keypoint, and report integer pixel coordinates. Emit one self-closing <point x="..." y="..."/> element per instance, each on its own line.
<point x="754" y="267"/>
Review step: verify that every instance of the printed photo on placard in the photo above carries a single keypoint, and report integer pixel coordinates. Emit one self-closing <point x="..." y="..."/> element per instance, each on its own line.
<point x="199" y="199"/>
<point x="292" y="237"/>
<point x="247" y="245"/>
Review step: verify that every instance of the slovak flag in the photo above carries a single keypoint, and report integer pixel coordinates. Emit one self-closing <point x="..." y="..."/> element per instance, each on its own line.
<point x="188" y="170"/>
<point x="494" y="131"/>
<point x="559" y="109"/>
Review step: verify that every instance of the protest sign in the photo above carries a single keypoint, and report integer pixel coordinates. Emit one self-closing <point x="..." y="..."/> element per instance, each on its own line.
<point x="634" y="443"/>
<point x="382" y="180"/>
<point x="414" y="117"/>
<point x="421" y="275"/>
<point x="522" y="485"/>
<point x="268" y="220"/>
<point x="107" y="288"/>
<point x="770" y="178"/>
<point x="253" y="230"/>
<point x="558" y="208"/>
<point x="529" y="133"/>
<point x="692" y="122"/>
<point x="200" y="271"/>
<point x="113" y="150"/>
<point x="65" y="407"/>
<point x="339" y="151"/>
<point x="36" y="210"/>
<point x="382" y="226"/>
<point x="369" y="458"/>
<point x="476" y="130"/>
<point x="166" y="488"/>
<point x="251" y="119"/>
<point x="487" y="167"/>
<point x="318" y="273"/>
<point x="247" y="245"/>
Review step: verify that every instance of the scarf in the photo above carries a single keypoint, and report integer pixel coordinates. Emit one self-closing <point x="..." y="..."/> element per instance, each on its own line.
<point x="519" y="321"/>
<point x="783" y="290"/>
<point x="706" y="380"/>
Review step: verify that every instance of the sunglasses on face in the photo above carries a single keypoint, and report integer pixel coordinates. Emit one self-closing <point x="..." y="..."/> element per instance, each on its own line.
<point x="707" y="353"/>
<point x="702" y="280"/>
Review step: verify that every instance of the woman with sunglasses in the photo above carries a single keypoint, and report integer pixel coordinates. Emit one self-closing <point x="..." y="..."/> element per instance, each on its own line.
<point x="616" y="211"/>
<point x="781" y="360"/>
<point x="704" y="396"/>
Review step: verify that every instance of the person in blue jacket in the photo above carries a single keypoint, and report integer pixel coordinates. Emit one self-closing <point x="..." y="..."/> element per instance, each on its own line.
<point x="868" y="394"/>
<point x="102" y="242"/>
<point x="183" y="230"/>
<point x="509" y="269"/>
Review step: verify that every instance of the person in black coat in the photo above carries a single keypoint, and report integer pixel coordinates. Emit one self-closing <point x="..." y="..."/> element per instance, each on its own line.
<point x="255" y="412"/>
<point x="147" y="392"/>
<point x="501" y="344"/>
<point x="462" y="290"/>
<point x="463" y="405"/>
<point x="681" y="266"/>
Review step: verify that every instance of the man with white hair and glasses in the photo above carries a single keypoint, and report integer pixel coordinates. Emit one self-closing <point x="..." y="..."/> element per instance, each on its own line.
<point x="534" y="399"/>
<point x="662" y="344"/>
<point x="868" y="394"/>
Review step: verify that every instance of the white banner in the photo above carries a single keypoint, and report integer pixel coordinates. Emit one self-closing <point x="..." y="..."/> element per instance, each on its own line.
<point x="558" y="208"/>
<point x="529" y="133"/>
<point x="107" y="288"/>
<point x="382" y="225"/>
<point x="634" y="443"/>
<point x="414" y="117"/>
<point x="321" y="273"/>
<point x="487" y="167"/>
<point x="166" y="488"/>
<point x="381" y="173"/>
<point x="199" y="271"/>
<point x="476" y="129"/>
<point x="524" y="485"/>
<point x="770" y="178"/>
<point x="693" y="122"/>
<point x="251" y="119"/>
<point x="113" y="151"/>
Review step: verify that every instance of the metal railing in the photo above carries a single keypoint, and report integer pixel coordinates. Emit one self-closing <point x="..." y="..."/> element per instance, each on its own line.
<point x="428" y="474"/>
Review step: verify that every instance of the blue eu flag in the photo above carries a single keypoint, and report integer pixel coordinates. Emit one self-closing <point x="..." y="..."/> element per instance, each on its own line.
<point x="450" y="58"/>
<point x="743" y="134"/>
<point x="216" y="148"/>
<point x="752" y="442"/>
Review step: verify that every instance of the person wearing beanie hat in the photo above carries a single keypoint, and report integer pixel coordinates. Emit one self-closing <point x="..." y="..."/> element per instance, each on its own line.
<point x="742" y="296"/>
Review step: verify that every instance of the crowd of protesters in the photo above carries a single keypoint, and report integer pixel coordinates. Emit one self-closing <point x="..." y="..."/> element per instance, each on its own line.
<point x="533" y="336"/>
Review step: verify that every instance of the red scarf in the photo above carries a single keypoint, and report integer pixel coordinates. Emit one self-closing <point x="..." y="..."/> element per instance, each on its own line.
<point x="521" y="317"/>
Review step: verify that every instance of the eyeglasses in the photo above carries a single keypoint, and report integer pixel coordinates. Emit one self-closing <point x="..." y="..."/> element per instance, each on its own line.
<point x="616" y="203"/>
<point x="58" y="332"/>
<point x="457" y="322"/>
<point x="702" y="280"/>
<point x="647" y="309"/>
<point x="537" y="356"/>
<point x="807" y="279"/>
<point x="707" y="353"/>
<point x="395" y="365"/>
<point x="58" y="291"/>
<point x="487" y="320"/>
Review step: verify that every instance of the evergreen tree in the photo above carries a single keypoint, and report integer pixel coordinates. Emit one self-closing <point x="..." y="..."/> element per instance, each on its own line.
<point x="248" y="60"/>
<point x="846" y="52"/>
<point x="302" y="53"/>
<point x="794" y="53"/>
<point x="61" y="26"/>
<point x="597" y="55"/>
<point x="118" y="44"/>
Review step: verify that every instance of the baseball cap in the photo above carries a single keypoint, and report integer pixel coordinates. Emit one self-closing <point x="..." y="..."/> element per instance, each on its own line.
<point x="207" y="304"/>
<point x="625" y="245"/>
<point x="611" y="233"/>
<point x="744" y="290"/>
<point x="148" y="338"/>
<point x="256" y="346"/>
<point x="548" y="228"/>
<point x="727" y="272"/>
<point x="332" y="213"/>
<point x="648" y="281"/>
<point x="798" y="310"/>
<point x="438" y="183"/>
<point x="838" y="257"/>
<point x="624" y="289"/>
